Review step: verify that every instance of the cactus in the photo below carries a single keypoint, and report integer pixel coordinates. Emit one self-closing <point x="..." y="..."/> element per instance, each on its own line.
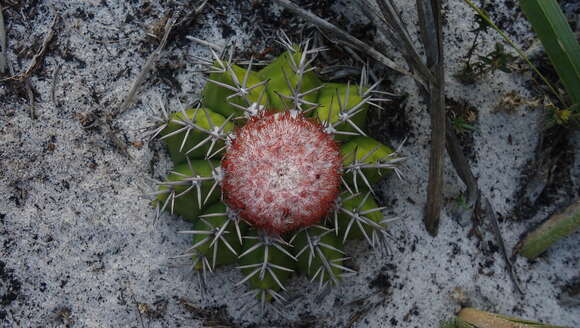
<point x="279" y="194"/>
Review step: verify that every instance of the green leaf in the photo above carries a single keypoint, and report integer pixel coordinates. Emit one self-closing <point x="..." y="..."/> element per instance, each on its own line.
<point x="559" y="41"/>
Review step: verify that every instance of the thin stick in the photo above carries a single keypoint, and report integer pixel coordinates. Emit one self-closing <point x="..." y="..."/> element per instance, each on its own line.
<point x="37" y="59"/>
<point x="429" y="12"/>
<point x="146" y="68"/>
<point x="53" y="87"/>
<point x="154" y="57"/>
<point x="461" y="166"/>
<point x="3" y="44"/>
<point x="484" y="208"/>
<point x="346" y="37"/>
<point x="476" y="200"/>
<point x="151" y="60"/>
<point x="205" y="43"/>
<point x="189" y="18"/>
<point x="398" y="34"/>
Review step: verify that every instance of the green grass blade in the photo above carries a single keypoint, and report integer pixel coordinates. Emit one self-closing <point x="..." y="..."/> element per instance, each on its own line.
<point x="549" y="22"/>
<point x="522" y="55"/>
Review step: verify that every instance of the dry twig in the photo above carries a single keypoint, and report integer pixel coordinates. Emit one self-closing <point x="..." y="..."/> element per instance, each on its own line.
<point x="53" y="87"/>
<point x="432" y="76"/>
<point x="34" y="63"/>
<point x="344" y="36"/>
<point x="153" y="58"/>
<point x="394" y="30"/>
<point x="475" y="200"/>
<point x="39" y="56"/>
<point x="3" y="44"/>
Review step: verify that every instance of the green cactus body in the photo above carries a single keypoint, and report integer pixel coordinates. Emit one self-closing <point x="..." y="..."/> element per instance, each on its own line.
<point x="216" y="96"/>
<point x="365" y="150"/>
<point x="202" y="118"/>
<point x="188" y="204"/>
<point x="283" y="78"/>
<point x="272" y="277"/>
<point x="223" y="254"/>
<point x="349" y="226"/>
<point x="337" y="98"/>
<point x="319" y="253"/>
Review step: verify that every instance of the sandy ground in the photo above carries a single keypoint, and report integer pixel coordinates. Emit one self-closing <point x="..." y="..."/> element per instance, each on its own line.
<point x="78" y="243"/>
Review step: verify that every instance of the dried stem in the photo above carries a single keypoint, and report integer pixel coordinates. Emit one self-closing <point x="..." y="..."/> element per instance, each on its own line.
<point x="392" y="27"/>
<point x="344" y="36"/>
<point x="153" y="58"/>
<point x="429" y="12"/>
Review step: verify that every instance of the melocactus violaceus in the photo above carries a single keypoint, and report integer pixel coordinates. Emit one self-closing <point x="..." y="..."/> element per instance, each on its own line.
<point x="275" y="172"/>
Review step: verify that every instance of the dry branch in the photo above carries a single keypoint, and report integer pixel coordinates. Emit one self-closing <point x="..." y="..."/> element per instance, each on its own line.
<point x="34" y="63"/>
<point x="393" y="29"/>
<point x="344" y="36"/>
<point x="171" y="23"/>
<point x="476" y="200"/>
<point x="429" y="12"/>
